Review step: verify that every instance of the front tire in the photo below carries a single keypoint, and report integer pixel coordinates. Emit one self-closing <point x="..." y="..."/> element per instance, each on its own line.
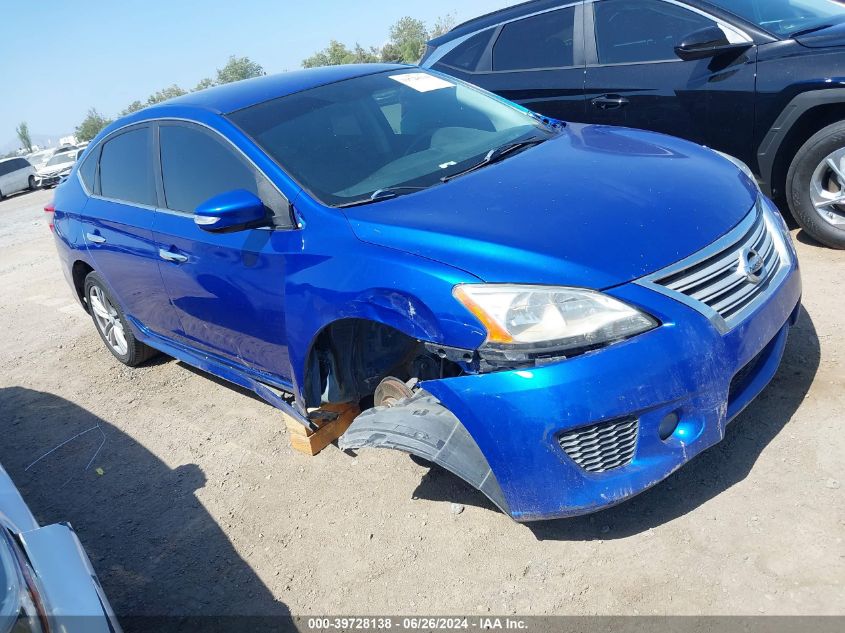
<point x="112" y="325"/>
<point x="815" y="186"/>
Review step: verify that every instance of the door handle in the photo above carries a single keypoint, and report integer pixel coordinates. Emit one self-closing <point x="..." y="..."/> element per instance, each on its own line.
<point x="95" y="238"/>
<point x="172" y="257"/>
<point x="609" y="102"/>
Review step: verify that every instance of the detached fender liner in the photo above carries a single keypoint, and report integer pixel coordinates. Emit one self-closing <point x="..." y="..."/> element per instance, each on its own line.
<point x="423" y="427"/>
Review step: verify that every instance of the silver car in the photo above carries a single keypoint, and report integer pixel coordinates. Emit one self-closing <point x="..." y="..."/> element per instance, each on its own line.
<point x="46" y="580"/>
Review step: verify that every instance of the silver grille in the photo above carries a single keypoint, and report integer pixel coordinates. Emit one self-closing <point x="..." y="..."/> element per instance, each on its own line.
<point x="602" y="446"/>
<point x="728" y="279"/>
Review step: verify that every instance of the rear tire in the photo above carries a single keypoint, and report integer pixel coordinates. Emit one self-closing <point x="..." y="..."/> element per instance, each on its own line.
<point x="816" y="181"/>
<point x="112" y="325"/>
<point x="32" y="186"/>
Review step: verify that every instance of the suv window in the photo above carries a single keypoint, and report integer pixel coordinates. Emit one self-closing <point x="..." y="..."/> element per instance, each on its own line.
<point x="467" y="54"/>
<point x="196" y="166"/>
<point x="5" y="167"/>
<point x="630" y="31"/>
<point x="541" y="41"/>
<point x="126" y="171"/>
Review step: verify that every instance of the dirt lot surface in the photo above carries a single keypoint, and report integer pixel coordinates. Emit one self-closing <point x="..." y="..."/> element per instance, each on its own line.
<point x="189" y="499"/>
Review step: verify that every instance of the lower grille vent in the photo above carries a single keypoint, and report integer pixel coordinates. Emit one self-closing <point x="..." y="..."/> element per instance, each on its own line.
<point x="602" y="447"/>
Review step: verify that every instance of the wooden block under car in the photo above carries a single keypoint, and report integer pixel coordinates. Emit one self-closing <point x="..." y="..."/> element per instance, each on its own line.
<point x="332" y="420"/>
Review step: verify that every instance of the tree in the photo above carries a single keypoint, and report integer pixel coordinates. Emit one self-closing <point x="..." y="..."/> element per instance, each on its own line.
<point x="166" y="93"/>
<point x="133" y="107"/>
<point x="91" y="125"/>
<point x="409" y="35"/>
<point x="442" y="25"/>
<point x="208" y="82"/>
<point x="23" y="135"/>
<point x="337" y="53"/>
<point x="238" y="68"/>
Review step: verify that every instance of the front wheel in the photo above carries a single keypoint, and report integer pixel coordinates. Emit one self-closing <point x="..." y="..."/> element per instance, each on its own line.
<point x="112" y="325"/>
<point x="815" y="186"/>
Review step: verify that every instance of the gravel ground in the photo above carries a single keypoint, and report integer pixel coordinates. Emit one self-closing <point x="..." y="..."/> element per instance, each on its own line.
<point x="189" y="499"/>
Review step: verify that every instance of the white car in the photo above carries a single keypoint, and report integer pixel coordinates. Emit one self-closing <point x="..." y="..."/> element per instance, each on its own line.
<point x="46" y="580"/>
<point x="16" y="174"/>
<point x="39" y="159"/>
<point x="57" y="168"/>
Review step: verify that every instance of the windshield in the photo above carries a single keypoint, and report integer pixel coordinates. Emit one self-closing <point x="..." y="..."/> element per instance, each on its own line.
<point x="785" y="17"/>
<point x="60" y="159"/>
<point x="397" y="132"/>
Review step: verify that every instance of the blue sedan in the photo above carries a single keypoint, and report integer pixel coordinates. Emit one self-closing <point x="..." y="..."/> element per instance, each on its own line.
<point x="562" y="315"/>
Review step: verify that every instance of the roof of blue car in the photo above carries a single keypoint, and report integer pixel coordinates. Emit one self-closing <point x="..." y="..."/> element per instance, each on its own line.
<point x="242" y="94"/>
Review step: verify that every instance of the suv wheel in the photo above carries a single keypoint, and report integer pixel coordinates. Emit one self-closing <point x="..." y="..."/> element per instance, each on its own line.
<point x="32" y="183"/>
<point x="815" y="186"/>
<point x="112" y="325"/>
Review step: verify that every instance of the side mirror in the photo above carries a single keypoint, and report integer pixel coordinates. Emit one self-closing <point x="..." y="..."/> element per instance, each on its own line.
<point x="707" y="42"/>
<point x="231" y="211"/>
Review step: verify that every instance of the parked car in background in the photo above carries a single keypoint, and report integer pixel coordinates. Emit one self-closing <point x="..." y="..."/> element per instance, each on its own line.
<point x="56" y="168"/>
<point x="16" y="174"/>
<point x="47" y="582"/>
<point x="562" y="315"/>
<point x="38" y="159"/>
<point x="761" y="80"/>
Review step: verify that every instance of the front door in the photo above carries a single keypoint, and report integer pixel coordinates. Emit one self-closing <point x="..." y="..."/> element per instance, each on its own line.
<point x="227" y="288"/>
<point x="635" y="79"/>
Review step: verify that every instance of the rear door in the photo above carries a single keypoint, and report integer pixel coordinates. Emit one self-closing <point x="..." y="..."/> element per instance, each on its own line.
<point x="21" y="173"/>
<point x="536" y="61"/>
<point x="635" y="79"/>
<point x="227" y="288"/>
<point x="117" y="222"/>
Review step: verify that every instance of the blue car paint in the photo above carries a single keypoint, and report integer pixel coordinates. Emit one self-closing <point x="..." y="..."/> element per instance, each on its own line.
<point x="574" y="193"/>
<point x="589" y="208"/>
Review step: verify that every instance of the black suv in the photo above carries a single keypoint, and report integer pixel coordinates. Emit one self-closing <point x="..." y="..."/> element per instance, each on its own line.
<point x="761" y="80"/>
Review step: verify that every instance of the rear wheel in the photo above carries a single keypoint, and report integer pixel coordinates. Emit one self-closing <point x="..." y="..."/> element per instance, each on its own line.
<point x="815" y="186"/>
<point x="32" y="183"/>
<point x="112" y="325"/>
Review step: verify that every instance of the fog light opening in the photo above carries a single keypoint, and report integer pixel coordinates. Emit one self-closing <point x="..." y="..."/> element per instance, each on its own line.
<point x="668" y="425"/>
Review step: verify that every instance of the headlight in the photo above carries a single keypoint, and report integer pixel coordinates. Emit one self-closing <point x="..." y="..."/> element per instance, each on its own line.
<point x="19" y="605"/>
<point x="544" y="319"/>
<point x="745" y="169"/>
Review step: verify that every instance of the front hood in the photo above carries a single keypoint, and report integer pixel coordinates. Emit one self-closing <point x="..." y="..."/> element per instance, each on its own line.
<point x="833" y="35"/>
<point x="596" y="206"/>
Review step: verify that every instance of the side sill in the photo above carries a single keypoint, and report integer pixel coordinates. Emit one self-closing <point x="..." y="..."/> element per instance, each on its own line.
<point x="275" y="393"/>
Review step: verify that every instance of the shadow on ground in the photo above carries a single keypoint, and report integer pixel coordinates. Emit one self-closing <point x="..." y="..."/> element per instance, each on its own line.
<point x="157" y="551"/>
<point x="706" y="476"/>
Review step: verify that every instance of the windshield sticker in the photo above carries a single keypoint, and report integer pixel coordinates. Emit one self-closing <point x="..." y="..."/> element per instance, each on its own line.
<point x="422" y="82"/>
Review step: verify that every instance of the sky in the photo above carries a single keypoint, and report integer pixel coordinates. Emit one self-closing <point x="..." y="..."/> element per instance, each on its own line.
<point x="67" y="56"/>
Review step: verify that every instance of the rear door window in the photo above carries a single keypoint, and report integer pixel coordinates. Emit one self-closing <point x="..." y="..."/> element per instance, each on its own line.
<point x="541" y="41"/>
<point x="126" y="171"/>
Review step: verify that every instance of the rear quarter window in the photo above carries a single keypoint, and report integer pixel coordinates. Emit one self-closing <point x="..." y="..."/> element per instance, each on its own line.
<point x="88" y="170"/>
<point x="126" y="171"/>
<point x="467" y="54"/>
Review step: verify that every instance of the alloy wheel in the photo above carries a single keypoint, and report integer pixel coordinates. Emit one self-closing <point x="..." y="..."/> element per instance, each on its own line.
<point x="827" y="189"/>
<point x="108" y="320"/>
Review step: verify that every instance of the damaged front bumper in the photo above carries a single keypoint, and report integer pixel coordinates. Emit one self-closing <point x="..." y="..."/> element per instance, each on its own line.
<point x="502" y="431"/>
